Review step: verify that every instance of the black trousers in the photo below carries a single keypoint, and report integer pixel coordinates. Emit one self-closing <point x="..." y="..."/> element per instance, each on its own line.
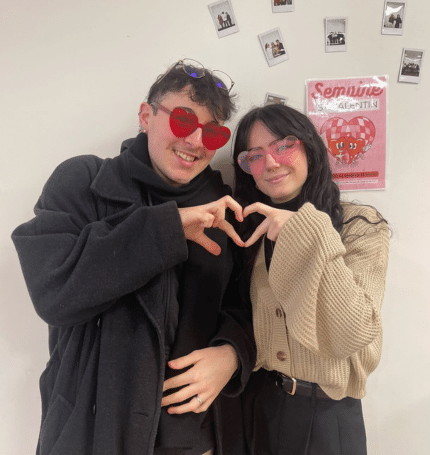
<point x="277" y="423"/>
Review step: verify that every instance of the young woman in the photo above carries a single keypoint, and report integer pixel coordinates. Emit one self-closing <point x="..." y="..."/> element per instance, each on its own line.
<point x="314" y="271"/>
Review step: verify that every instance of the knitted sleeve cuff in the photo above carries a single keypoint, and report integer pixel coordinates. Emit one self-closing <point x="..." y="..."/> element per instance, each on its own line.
<point x="309" y="230"/>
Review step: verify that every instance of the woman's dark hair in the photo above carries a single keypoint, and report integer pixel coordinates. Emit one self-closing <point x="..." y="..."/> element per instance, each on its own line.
<point x="282" y="121"/>
<point x="203" y="90"/>
<point x="319" y="188"/>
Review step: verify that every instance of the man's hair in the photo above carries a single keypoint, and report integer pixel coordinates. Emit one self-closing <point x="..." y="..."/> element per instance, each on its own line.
<point x="203" y="91"/>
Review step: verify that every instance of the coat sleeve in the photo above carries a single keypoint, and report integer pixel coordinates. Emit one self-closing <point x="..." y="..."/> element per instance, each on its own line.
<point x="331" y="291"/>
<point x="77" y="263"/>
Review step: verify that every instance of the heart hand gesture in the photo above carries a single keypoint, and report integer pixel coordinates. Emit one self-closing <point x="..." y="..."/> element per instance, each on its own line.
<point x="272" y="225"/>
<point x="196" y="219"/>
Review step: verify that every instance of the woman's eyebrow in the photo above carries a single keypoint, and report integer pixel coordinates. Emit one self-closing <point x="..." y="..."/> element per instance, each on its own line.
<point x="259" y="147"/>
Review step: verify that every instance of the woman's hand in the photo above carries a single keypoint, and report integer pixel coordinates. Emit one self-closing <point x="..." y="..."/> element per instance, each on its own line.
<point x="211" y="369"/>
<point x="272" y="225"/>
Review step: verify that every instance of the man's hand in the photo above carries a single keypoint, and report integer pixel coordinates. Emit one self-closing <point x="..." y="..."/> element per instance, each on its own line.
<point x="196" y="219"/>
<point x="211" y="369"/>
<point x="272" y="225"/>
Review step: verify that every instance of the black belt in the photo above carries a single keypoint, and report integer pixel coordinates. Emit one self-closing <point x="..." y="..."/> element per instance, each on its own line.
<point x="298" y="387"/>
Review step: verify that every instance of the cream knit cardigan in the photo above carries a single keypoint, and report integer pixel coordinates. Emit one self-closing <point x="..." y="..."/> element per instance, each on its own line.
<point x="317" y="312"/>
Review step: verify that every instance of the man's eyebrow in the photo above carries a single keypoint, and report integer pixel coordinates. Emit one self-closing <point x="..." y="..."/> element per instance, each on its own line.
<point x="188" y="109"/>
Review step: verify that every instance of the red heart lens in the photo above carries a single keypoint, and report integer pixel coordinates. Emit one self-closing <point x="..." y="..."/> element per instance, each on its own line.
<point x="183" y="123"/>
<point x="215" y="136"/>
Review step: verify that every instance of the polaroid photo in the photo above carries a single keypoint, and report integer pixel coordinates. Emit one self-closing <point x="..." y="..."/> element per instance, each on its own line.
<point x="393" y="18"/>
<point x="335" y="34"/>
<point x="273" y="46"/>
<point x="273" y="98"/>
<point x="411" y="65"/>
<point x="282" y="6"/>
<point x="223" y="17"/>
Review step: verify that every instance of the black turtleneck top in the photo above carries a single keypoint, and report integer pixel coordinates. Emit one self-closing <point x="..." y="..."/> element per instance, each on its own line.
<point x="269" y="245"/>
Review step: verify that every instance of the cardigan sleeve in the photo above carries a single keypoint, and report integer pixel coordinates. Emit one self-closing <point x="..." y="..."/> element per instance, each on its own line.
<point x="331" y="291"/>
<point x="76" y="262"/>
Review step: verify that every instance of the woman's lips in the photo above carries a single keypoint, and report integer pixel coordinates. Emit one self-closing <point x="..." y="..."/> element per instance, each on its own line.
<point x="277" y="178"/>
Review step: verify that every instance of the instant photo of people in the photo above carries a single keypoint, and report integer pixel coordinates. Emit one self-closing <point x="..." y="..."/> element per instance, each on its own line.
<point x="335" y="34"/>
<point x="272" y="98"/>
<point x="411" y="65"/>
<point x="393" y="18"/>
<point x="223" y="17"/>
<point x="282" y="6"/>
<point x="273" y="46"/>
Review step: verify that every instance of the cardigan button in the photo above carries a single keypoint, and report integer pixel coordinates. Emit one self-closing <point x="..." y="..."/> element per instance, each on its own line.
<point x="281" y="355"/>
<point x="98" y="322"/>
<point x="279" y="313"/>
<point x="94" y="408"/>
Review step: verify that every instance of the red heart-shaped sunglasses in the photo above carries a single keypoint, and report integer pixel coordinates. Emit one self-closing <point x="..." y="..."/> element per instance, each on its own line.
<point x="183" y="123"/>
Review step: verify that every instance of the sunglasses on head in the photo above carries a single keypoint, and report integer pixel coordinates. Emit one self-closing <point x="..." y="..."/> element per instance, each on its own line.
<point x="195" y="69"/>
<point x="284" y="151"/>
<point x="183" y="123"/>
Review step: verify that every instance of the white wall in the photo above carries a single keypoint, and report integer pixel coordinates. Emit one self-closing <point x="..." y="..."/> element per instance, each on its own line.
<point x="72" y="77"/>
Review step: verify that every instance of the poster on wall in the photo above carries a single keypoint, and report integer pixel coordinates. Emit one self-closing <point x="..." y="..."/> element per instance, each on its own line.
<point x="350" y="115"/>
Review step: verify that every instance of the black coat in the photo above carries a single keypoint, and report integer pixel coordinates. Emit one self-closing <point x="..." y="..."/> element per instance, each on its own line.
<point x="94" y="259"/>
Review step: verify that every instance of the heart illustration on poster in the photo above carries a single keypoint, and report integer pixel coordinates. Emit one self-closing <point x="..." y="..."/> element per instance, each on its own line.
<point x="347" y="140"/>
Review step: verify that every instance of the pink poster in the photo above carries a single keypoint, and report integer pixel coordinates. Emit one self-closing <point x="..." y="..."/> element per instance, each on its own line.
<point x="351" y="117"/>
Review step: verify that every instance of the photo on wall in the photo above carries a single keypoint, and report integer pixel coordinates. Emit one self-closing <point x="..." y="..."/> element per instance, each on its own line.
<point x="411" y="65"/>
<point x="273" y="98"/>
<point x="393" y="18"/>
<point x="223" y="17"/>
<point x="335" y="34"/>
<point x="273" y="46"/>
<point x="282" y="6"/>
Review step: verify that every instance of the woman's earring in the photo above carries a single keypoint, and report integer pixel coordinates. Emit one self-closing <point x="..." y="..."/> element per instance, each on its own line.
<point x="142" y="130"/>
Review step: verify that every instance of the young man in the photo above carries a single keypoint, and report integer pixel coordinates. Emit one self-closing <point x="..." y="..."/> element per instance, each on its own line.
<point x="128" y="260"/>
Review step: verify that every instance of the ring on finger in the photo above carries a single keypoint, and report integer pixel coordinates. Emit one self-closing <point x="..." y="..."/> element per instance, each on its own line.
<point x="198" y="399"/>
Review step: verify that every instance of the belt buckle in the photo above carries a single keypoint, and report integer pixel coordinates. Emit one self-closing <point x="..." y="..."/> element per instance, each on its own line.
<point x="293" y="392"/>
<point x="280" y="380"/>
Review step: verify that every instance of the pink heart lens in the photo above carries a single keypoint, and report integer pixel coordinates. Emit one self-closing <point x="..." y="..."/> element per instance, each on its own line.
<point x="285" y="152"/>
